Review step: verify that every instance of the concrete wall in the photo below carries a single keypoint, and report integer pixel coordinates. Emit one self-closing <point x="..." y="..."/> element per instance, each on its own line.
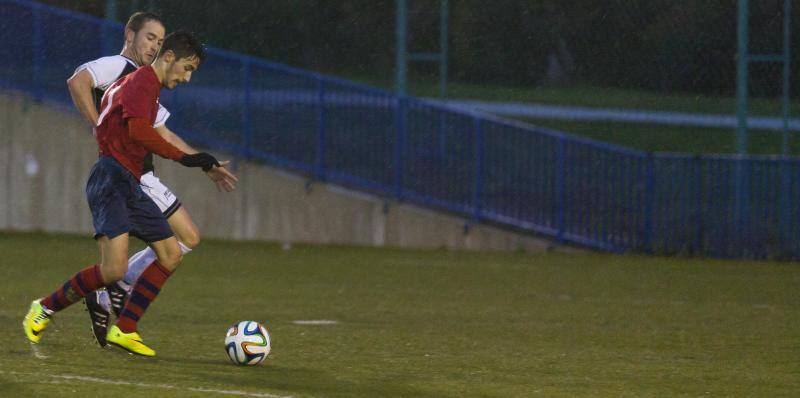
<point x="46" y="152"/>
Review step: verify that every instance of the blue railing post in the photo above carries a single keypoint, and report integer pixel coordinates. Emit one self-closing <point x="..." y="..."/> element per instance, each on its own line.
<point x="604" y="214"/>
<point x="649" y="199"/>
<point x="561" y="189"/>
<point x="442" y="137"/>
<point x="321" y="140"/>
<point x="742" y="207"/>
<point x="38" y="51"/>
<point x="399" y="142"/>
<point x="247" y="126"/>
<point x="478" y="192"/>
<point x="784" y="211"/>
<point x="697" y="162"/>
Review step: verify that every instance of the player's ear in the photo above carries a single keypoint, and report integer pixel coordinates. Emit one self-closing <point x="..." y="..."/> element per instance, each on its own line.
<point x="129" y="36"/>
<point x="168" y="56"/>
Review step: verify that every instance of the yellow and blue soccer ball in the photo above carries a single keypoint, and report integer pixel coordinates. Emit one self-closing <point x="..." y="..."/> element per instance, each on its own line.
<point x="247" y="343"/>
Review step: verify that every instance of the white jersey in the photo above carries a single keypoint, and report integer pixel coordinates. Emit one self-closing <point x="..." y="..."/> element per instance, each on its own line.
<point x="107" y="70"/>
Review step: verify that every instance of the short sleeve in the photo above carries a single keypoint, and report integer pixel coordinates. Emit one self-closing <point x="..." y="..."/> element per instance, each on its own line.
<point x="104" y="71"/>
<point x="139" y="98"/>
<point x="161" y="117"/>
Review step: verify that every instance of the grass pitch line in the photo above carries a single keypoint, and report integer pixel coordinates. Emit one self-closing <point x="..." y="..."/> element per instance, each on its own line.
<point x="315" y="322"/>
<point x="37" y="352"/>
<point x="147" y="385"/>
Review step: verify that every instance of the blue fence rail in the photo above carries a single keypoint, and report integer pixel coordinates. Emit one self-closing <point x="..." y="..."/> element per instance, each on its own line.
<point x="486" y="169"/>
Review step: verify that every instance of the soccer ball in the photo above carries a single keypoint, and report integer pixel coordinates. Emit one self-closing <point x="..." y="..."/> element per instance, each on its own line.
<point x="247" y="343"/>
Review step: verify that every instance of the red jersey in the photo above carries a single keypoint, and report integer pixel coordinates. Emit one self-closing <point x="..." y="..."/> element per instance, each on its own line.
<point x="133" y="96"/>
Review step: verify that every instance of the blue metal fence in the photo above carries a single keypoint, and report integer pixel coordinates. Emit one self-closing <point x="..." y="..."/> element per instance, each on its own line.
<point x="484" y="168"/>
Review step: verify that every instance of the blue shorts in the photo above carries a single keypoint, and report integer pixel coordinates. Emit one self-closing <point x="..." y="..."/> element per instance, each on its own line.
<point x="118" y="204"/>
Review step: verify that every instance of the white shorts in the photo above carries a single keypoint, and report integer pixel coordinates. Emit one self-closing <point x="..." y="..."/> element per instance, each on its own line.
<point x="159" y="193"/>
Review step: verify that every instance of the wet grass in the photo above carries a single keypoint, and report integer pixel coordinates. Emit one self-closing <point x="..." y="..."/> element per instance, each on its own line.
<point x="418" y="323"/>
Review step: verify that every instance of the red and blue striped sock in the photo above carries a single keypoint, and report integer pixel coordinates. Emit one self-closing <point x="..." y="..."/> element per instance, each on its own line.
<point x="84" y="282"/>
<point x="144" y="292"/>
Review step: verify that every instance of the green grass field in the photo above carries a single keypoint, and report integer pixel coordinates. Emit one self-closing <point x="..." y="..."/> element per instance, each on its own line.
<point x="417" y="324"/>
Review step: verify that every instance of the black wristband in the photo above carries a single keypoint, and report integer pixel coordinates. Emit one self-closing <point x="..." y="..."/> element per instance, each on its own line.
<point x="202" y="160"/>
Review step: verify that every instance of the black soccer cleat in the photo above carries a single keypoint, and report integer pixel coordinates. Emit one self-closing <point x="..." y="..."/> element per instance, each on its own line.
<point x="118" y="296"/>
<point x="99" y="316"/>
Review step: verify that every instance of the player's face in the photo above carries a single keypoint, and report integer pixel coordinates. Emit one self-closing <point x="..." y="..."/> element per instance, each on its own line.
<point x="147" y="41"/>
<point x="180" y="71"/>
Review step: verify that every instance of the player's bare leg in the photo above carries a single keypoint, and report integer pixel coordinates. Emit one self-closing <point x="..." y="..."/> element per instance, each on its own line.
<point x="188" y="236"/>
<point x="113" y="257"/>
<point x="168" y="252"/>
<point x="184" y="227"/>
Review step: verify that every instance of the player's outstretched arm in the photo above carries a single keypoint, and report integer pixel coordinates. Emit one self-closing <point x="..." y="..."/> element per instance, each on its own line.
<point x="143" y="133"/>
<point x="222" y="178"/>
<point x="80" y="87"/>
<point x="169" y="136"/>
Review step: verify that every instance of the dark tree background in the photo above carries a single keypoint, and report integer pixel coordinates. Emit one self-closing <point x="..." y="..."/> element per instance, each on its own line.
<point x="661" y="45"/>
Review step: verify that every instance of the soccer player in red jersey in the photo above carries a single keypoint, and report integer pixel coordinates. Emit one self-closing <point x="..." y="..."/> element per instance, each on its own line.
<point x="144" y="34"/>
<point x="119" y="207"/>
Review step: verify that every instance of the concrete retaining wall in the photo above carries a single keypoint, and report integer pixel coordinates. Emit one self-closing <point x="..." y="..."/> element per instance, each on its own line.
<point x="46" y="153"/>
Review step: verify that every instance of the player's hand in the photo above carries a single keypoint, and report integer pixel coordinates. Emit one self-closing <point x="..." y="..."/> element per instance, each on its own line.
<point x="224" y="179"/>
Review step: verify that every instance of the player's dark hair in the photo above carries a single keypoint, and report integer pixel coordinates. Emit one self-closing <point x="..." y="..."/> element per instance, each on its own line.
<point x="184" y="44"/>
<point x="138" y="19"/>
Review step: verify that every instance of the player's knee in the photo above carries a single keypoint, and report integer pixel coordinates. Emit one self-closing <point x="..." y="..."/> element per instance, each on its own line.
<point x="171" y="259"/>
<point x="113" y="272"/>
<point x="191" y="239"/>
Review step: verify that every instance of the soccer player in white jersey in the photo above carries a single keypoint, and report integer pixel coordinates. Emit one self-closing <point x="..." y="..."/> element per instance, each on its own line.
<point x="144" y="34"/>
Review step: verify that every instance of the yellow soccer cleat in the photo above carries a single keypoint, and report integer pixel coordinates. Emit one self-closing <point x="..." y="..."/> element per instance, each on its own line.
<point x="37" y="319"/>
<point x="130" y="342"/>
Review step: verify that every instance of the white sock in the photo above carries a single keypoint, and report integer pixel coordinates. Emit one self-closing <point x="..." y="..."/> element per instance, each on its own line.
<point x="139" y="261"/>
<point x="184" y="249"/>
<point x="103" y="299"/>
<point x="136" y="265"/>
